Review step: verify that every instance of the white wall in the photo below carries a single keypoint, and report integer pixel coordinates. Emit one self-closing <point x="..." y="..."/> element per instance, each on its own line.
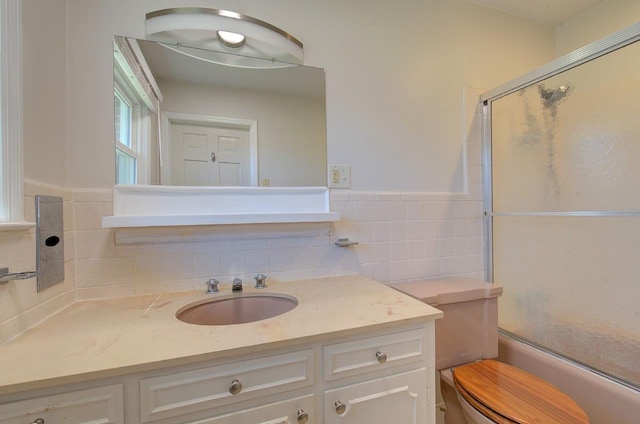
<point x="45" y="90"/>
<point x="604" y="18"/>
<point x="395" y="72"/>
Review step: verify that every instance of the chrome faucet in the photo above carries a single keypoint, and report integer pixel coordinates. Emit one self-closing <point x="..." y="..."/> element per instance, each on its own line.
<point x="212" y="286"/>
<point x="237" y="285"/>
<point x="261" y="281"/>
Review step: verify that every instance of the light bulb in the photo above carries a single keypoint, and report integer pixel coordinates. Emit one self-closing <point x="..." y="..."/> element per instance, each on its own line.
<point x="231" y="39"/>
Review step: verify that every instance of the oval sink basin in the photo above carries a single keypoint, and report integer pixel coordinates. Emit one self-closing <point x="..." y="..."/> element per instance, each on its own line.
<point x="236" y="309"/>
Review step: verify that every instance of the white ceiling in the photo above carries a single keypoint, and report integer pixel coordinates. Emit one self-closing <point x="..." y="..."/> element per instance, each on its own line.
<point x="548" y="12"/>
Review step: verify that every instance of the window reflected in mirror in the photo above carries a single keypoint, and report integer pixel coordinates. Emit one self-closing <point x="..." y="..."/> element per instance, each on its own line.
<point x="133" y="112"/>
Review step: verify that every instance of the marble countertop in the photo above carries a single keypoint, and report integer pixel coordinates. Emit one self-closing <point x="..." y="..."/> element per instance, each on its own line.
<point x="100" y="338"/>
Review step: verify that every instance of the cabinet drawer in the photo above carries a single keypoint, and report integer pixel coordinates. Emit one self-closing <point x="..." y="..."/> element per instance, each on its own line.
<point x="100" y="405"/>
<point x="181" y="393"/>
<point x="374" y="353"/>
<point x="284" y="412"/>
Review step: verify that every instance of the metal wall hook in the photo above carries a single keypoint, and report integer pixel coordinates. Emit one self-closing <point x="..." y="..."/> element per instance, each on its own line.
<point x="345" y="242"/>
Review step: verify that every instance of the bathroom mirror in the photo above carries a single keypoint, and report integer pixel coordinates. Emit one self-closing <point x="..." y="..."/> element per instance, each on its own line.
<point x="207" y="124"/>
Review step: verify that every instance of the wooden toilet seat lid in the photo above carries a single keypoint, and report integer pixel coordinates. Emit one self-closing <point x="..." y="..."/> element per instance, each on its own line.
<point x="507" y="394"/>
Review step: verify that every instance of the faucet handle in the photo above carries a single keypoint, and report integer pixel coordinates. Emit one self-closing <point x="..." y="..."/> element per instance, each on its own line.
<point x="237" y="285"/>
<point x="261" y="281"/>
<point x="212" y="286"/>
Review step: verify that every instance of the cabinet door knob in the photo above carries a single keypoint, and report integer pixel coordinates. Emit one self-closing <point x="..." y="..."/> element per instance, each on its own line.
<point x="235" y="388"/>
<point x="38" y="421"/>
<point x="382" y="357"/>
<point x="303" y="417"/>
<point x="340" y="407"/>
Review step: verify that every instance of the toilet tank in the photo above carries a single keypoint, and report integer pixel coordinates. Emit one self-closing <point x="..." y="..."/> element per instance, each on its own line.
<point x="469" y="329"/>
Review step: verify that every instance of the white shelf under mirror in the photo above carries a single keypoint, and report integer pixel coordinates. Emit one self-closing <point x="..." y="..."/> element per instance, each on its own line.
<point x="140" y="206"/>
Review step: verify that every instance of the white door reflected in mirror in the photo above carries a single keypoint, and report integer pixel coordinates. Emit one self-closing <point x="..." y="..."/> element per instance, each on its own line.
<point x="204" y="155"/>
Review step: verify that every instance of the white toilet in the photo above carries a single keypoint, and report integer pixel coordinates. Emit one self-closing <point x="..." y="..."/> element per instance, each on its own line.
<point x="477" y="389"/>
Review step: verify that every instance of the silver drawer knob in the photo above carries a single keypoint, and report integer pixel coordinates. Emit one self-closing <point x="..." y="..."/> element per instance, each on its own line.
<point x="38" y="421"/>
<point x="382" y="357"/>
<point x="303" y="417"/>
<point x="235" y="388"/>
<point x="340" y="407"/>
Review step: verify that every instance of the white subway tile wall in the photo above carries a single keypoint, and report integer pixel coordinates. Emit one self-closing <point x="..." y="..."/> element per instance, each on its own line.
<point x="442" y="237"/>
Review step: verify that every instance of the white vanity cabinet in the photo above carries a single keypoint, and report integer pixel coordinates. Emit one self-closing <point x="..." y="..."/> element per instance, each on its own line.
<point x="102" y="405"/>
<point x="377" y="376"/>
<point x="371" y="377"/>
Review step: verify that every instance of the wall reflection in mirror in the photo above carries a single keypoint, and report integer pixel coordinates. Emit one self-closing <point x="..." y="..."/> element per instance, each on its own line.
<point x="181" y="120"/>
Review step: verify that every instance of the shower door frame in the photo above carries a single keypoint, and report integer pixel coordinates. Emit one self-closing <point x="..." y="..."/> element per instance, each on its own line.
<point x="615" y="41"/>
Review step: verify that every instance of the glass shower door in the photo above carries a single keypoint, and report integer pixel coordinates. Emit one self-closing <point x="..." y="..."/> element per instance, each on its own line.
<point x="565" y="212"/>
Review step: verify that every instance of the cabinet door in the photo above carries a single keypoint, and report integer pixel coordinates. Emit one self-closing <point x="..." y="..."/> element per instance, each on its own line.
<point x="102" y="405"/>
<point x="291" y="411"/>
<point x="400" y="398"/>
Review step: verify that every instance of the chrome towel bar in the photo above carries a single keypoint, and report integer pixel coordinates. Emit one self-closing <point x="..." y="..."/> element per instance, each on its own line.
<point x="6" y="276"/>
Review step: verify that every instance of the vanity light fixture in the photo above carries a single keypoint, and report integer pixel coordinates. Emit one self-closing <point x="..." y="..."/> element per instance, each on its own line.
<point x="243" y="40"/>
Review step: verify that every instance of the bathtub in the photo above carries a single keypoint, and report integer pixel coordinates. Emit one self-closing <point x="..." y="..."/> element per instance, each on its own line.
<point x="604" y="401"/>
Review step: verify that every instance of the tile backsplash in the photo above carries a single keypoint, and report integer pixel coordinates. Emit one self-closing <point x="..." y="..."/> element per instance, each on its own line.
<point x="402" y="236"/>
